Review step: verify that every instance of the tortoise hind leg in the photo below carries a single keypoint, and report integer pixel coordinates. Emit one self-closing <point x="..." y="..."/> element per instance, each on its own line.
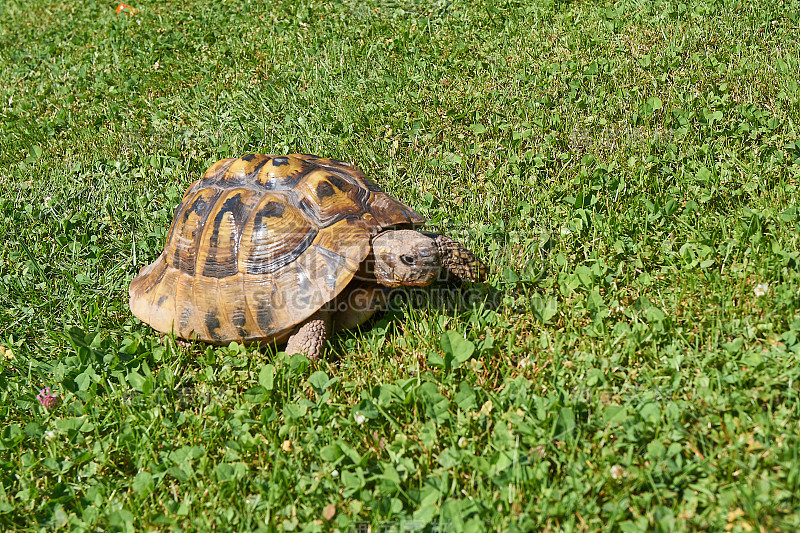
<point x="311" y="337"/>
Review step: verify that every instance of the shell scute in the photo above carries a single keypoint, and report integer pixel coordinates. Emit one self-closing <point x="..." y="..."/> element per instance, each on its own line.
<point x="275" y="235"/>
<point x="389" y="211"/>
<point x="280" y="173"/>
<point x="215" y="172"/>
<point x="326" y="197"/>
<point x="219" y="244"/>
<point x="185" y="232"/>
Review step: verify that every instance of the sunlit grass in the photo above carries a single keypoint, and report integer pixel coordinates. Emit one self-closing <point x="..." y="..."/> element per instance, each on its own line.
<point x="629" y="171"/>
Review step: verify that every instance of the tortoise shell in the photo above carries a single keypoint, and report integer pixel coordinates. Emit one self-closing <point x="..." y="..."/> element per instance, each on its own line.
<point x="259" y="244"/>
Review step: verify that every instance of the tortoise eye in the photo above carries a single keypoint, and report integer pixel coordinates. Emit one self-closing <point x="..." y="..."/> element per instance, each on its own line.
<point x="408" y="259"/>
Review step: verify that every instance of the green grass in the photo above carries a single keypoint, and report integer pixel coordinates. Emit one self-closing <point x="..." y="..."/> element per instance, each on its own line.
<point x="628" y="170"/>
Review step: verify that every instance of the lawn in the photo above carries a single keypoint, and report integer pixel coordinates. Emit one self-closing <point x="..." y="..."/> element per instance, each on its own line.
<point x="629" y="171"/>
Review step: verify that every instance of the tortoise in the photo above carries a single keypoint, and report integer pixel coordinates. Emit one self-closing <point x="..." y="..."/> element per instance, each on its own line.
<point x="274" y="249"/>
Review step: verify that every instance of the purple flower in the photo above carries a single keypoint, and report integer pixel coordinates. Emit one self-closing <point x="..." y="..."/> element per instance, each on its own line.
<point x="46" y="399"/>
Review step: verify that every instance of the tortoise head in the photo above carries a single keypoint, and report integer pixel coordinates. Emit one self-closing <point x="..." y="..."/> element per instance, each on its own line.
<point x="405" y="257"/>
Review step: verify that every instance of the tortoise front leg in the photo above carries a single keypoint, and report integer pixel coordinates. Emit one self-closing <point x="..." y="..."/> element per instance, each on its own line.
<point x="310" y="338"/>
<point x="459" y="261"/>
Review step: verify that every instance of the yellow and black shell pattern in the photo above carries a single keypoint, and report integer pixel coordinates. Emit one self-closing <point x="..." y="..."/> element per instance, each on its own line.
<point x="261" y="243"/>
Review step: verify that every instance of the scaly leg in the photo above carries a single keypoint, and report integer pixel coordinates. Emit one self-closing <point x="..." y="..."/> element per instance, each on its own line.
<point x="459" y="261"/>
<point x="311" y="337"/>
